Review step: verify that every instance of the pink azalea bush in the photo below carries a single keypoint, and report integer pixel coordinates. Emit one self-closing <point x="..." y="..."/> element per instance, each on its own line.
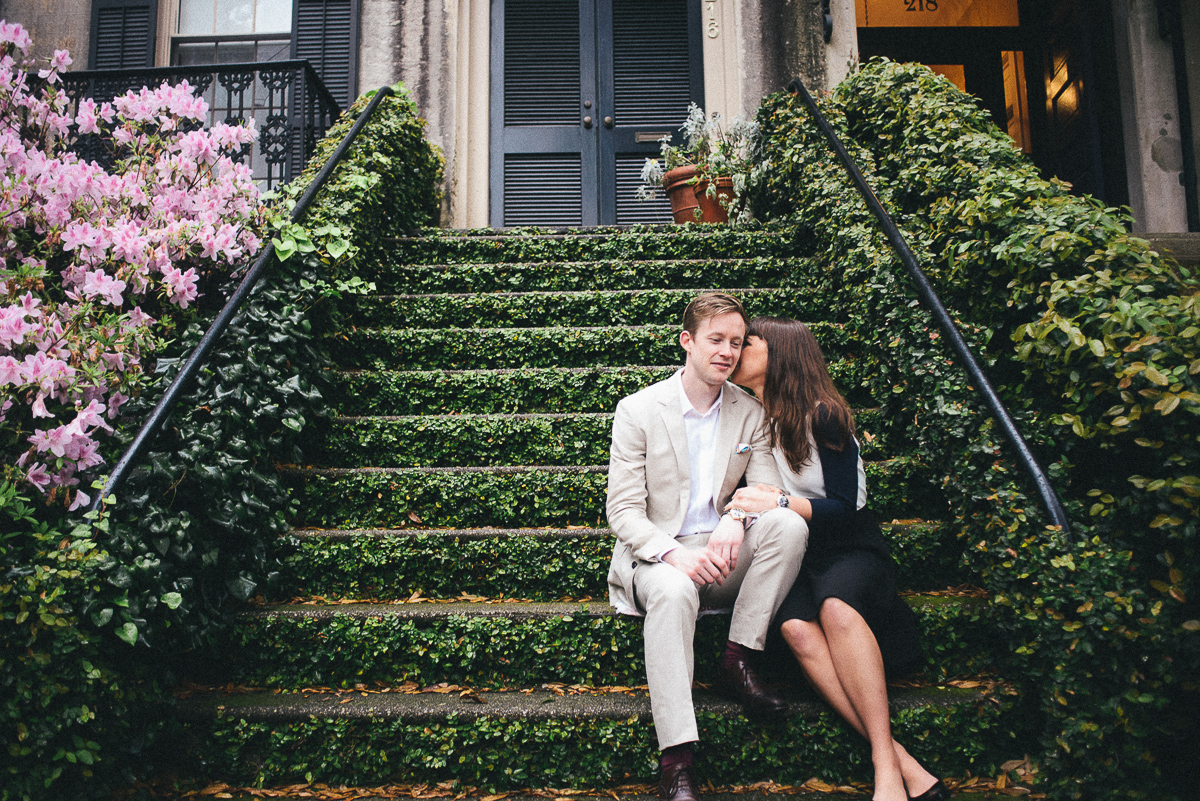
<point x="95" y="264"/>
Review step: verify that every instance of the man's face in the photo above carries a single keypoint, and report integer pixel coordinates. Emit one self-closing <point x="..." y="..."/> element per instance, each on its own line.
<point x="712" y="354"/>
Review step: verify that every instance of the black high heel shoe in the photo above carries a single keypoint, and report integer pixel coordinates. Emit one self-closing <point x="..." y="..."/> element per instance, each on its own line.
<point x="938" y="792"/>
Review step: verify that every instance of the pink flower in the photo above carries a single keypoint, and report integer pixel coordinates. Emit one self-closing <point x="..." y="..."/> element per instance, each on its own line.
<point x="98" y="283"/>
<point x="81" y="499"/>
<point x="181" y="287"/>
<point x="38" y="477"/>
<point x="61" y="59"/>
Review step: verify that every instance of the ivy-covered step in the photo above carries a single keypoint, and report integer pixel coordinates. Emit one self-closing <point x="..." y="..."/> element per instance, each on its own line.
<point x="448" y="440"/>
<point x="516" y="496"/>
<point x="558" y="346"/>
<point x="437" y="245"/>
<point x="562" y="737"/>
<point x="513" y="390"/>
<point x="503" y="642"/>
<point x="693" y="275"/>
<point x="580" y="308"/>
<point x="532" y="563"/>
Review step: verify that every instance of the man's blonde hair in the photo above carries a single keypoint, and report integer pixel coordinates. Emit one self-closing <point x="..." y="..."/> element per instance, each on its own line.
<point x="710" y="305"/>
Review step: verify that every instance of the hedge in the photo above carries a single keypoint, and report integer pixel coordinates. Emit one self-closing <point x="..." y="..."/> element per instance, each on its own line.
<point x="1091" y="338"/>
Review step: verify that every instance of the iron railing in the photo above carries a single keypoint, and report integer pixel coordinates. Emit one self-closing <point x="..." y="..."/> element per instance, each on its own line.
<point x="191" y="367"/>
<point x="287" y="100"/>
<point x="937" y="309"/>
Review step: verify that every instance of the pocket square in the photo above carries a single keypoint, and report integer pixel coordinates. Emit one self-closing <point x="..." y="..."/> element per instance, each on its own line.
<point x="742" y="447"/>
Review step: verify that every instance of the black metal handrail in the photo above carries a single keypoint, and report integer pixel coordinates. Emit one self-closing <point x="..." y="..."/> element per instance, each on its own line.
<point x="166" y="404"/>
<point x="288" y="100"/>
<point x="934" y="306"/>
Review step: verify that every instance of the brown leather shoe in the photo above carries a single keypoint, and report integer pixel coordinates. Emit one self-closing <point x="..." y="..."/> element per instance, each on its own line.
<point x="741" y="683"/>
<point x="677" y="784"/>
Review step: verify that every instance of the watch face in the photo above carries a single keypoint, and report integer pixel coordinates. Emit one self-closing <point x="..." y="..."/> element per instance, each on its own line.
<point x="737" y="514"/>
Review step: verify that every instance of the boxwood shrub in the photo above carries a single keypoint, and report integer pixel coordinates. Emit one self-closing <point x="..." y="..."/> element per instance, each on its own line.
<point x="1093" y="340"/>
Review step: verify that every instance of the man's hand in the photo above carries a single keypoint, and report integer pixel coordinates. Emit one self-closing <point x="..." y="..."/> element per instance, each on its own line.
<point x="757" y="499"/>
<point x="725" y="542"/>
<point x="700" y="565"/>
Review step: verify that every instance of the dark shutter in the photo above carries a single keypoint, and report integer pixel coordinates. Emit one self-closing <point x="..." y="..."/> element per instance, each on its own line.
<point x="543" y="190"/>
<point x="325" y="33"/>
<point x="630" y="210"/>
<point x="541" y="62"/>
<point x="123" y="34"/>
<point x="651" y="66"/>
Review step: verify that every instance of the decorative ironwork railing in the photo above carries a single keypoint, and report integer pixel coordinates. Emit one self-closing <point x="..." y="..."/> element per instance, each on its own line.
<point x="290" y="105"/>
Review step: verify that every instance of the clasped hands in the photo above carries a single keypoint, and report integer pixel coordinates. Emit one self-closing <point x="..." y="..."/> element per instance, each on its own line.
<point x="713" y="563"/>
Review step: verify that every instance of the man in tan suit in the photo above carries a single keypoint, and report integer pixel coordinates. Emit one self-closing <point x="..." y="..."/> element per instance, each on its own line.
<point x="679" y="450"/>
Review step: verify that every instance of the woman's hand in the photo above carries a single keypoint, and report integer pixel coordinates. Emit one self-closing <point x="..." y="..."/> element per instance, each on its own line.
<point x="757" y="499"/>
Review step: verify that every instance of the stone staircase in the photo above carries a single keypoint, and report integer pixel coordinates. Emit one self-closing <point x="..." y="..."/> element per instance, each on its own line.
<point x="443" y="616"/>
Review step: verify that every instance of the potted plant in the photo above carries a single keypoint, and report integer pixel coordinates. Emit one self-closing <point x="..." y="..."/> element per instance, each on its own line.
<point x="705" y="177"/>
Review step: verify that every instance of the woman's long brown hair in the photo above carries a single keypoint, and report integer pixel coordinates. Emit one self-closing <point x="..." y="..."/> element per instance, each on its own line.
<point x="796" y="384"/>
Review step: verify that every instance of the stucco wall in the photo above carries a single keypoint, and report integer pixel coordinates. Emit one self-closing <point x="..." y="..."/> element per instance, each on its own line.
<point x="54" y="25"/>
<point x="1150" y="117"/>
<point x="416" y="42"/>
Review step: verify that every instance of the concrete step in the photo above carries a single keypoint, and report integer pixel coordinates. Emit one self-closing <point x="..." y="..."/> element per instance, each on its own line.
<point x="562" y="737"/>
<point x="1184" y="248"/>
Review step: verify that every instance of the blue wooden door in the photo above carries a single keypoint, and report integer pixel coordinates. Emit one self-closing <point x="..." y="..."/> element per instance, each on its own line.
<point x="581" y="92"/>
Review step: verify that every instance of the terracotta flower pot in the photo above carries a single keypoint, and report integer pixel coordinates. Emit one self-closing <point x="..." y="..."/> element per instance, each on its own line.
<point x="686" y="198"/>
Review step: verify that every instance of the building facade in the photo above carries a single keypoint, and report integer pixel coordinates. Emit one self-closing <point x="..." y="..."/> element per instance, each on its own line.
<point x="545" y="109"/>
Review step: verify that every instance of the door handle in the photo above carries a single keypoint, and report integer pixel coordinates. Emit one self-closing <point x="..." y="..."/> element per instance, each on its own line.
<point x="608" y="122"/>
<point x="587" y="122"/>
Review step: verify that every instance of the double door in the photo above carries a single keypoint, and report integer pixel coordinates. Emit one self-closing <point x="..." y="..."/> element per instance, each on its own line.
<point x="581" y="92"/>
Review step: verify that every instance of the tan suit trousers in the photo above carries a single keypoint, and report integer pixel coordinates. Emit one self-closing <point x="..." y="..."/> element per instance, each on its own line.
<point x="767" y="565"/>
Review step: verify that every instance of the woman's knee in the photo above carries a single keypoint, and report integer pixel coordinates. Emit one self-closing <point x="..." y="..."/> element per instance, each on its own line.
<point x="838" y="616"/>
<point x="804" y="637"/>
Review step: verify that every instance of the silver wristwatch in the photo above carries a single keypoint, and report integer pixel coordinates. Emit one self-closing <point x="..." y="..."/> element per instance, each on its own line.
<point x="782" y="501"/>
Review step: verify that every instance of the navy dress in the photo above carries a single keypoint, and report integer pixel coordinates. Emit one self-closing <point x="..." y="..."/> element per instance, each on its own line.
<point x="847" y="555"/>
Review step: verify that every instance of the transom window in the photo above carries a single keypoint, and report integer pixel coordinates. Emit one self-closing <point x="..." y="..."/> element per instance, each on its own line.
<point x="231" y="31"/>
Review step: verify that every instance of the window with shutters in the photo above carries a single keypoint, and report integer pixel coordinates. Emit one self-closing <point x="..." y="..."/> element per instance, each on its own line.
<point x="123" y="34"/>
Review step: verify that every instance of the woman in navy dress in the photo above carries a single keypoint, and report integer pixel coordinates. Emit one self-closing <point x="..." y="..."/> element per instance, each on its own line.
<point x="842" y="619"/>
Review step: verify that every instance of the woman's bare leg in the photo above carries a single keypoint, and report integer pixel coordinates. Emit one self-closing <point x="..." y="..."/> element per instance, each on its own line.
<point x="808" y="642"/>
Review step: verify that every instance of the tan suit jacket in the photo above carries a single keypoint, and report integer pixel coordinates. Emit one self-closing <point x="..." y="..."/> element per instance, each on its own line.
<point x="648" y="472"/>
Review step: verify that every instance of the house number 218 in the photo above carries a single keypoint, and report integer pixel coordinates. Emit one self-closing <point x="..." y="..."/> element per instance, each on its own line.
<point x="920" y="5"/>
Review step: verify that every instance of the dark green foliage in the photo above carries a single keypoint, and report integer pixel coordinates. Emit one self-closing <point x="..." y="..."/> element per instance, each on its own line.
<point x="465" y="646"/>
<point x="503" y="310"/>
<point x="466" y="349"/>
<point x="516" y="497"/>
<point x="765" y="271"/>
<point x="540" y="568"/>
<point x="633" y="244"/>
<point x="1092" y="340"/>
<point x="193" y="530"/>
<point x="503" y="498"/>
<point x="520" y="390"/>
<point x="464" y="440"/>
<point x="512" y="753"/>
